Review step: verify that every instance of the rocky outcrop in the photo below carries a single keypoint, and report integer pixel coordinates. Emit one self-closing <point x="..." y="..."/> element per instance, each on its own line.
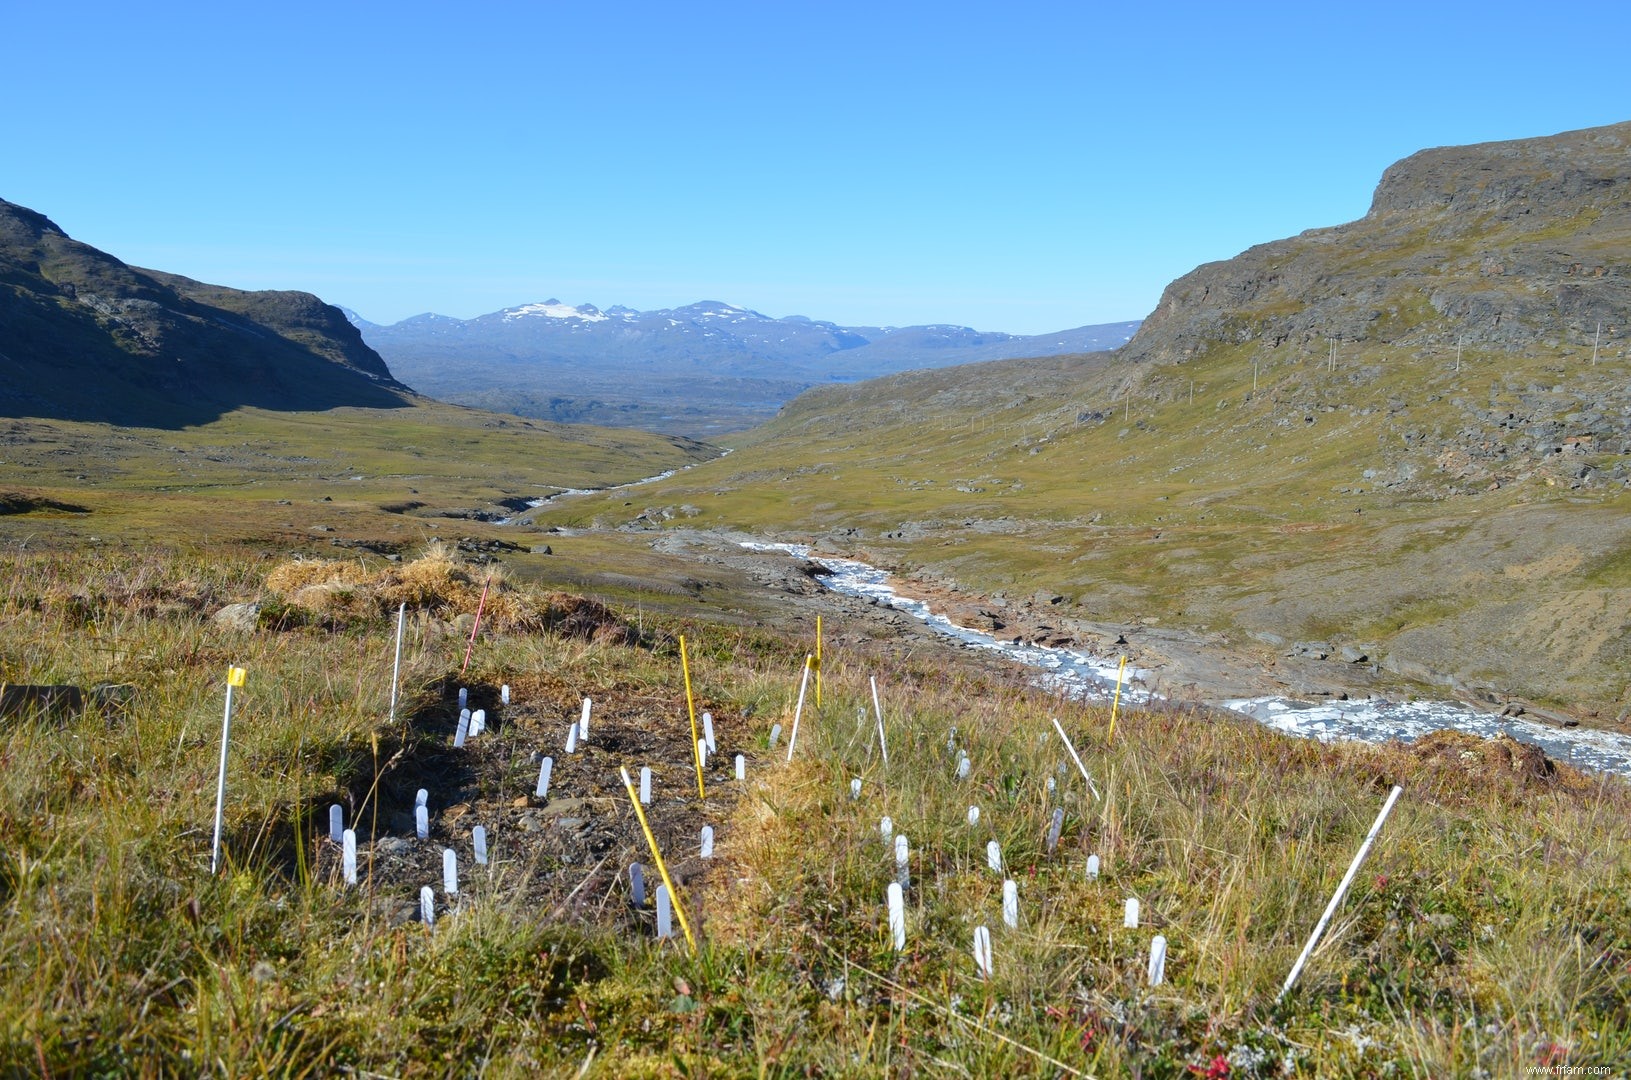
<point x="1513" y="245"/>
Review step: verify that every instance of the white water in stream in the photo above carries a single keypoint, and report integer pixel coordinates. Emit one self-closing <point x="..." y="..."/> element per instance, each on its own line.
<point x="1081" y="674"/>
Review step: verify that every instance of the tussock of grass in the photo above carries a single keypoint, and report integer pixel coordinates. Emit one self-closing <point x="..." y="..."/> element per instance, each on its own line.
<point x="439" y="584"/>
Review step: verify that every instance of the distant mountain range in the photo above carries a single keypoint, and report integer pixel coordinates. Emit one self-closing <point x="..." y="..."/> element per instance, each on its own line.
<point x="704" y="369"/>
<point x="84" y="336"/>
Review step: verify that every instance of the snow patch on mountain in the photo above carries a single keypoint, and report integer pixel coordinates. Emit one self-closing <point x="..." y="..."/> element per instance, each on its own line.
<point x="554" y="309"/>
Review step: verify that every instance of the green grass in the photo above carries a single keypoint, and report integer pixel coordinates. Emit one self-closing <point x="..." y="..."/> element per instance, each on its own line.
<point x="1485" y="933"/>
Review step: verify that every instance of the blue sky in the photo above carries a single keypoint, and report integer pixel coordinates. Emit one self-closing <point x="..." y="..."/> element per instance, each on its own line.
<point x="1023" y="167"/>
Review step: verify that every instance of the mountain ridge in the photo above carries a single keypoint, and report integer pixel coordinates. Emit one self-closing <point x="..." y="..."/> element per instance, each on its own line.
<point x="704" y="369"/>
<point x="86" y="336"/>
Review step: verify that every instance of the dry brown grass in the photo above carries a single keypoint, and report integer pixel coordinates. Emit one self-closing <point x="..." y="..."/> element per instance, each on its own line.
<point x="341" y="591"/>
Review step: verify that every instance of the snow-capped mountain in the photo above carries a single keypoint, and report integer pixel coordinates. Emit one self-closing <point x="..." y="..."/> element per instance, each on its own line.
<point x="705" y="368"/>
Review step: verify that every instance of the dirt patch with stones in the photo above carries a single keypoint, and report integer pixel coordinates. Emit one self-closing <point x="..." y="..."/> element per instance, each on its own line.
<point x="567" y="855"/>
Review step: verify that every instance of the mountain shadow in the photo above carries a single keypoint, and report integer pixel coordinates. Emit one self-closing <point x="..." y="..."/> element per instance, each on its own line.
<point x="84" y="336"/>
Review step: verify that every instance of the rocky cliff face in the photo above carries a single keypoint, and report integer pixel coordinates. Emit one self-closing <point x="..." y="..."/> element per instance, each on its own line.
<point x="1515" y="245"/>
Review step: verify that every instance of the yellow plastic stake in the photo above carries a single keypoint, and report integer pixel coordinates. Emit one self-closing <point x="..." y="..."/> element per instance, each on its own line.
<point x="662" y="867"/>
<point x="1116" y="701"/>
<point x="818" y="662"/>
<point x="691" y="707"/>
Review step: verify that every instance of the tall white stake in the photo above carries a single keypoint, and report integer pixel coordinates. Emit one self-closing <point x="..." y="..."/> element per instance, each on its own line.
<point x="396" y="667"/>
<point x="1077" y="758"/>
<point x="1342" y="889"/>
<point x="804" y="683"/>
<point x="235" y="677"/>
<point x="877" y="709"/>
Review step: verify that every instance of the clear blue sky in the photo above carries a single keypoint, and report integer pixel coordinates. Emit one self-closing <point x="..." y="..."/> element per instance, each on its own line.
<point x="1023" y="167"/>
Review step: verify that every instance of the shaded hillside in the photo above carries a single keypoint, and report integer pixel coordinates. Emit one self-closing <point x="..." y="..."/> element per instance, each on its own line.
<point x="83" y="336"/>
<point x="1457" y="517"/>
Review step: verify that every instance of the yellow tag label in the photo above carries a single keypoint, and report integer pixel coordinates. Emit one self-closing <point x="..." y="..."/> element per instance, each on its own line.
<point x="235" y="676"/>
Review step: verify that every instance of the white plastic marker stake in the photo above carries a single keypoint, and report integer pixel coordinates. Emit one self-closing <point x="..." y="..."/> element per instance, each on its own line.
<point x="478" y="721"/>
<point x="775" y="735"/>
<point x="1010" y="904"/>
<point x="1342" y="889"/>
<point x="708" y="732"/>
<point x="804" y="684"/>
<point x="544" y="769"/>
<point x="572" y="739"/>
<point x="1092" y="867"/>
<point x="427" y="906"/>
<point x="645" y="785"/>
<point x="422" y="797"/>
<point x="348" y="856"/>
<point x="583" y="721"/>
<point x="974" y="815"/>
<point x="235" y="677"/>
<point x="1053" y="830"/>
<point x="1129" y="917"/>
<point x="478" y="840"/>
<point x="896" y="901"/>
<point x="707" y="850"/>
<point x="396" y="666"/>
<point x="665" y="913"/>
<point x="702" y="752"/>
<point x="887" y="827"/>
<point x="1158" y="960"/>
<point x="962" y="766"/>
<point x="421" y="821"/>
<point x="1077" y="758"/>
<point x="450" y="872"/>
<point x="336" y="822"/>
<point x="903" y="856"/>
<point x="464" y="697"/>
<point x="855" y="788"/>
<point x="1051" y="785"/>
<point x="504" y="693"/>
<point x="877" y="710"/>
<point x="637" y="884"/>
<point x="993" y="855"/>
<point x="462" y="732"/>
<point x="982" y="951"/>
<point x="741" y="767"/>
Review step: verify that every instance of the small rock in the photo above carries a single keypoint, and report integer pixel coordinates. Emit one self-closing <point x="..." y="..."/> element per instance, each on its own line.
<point x="238" y="616"/>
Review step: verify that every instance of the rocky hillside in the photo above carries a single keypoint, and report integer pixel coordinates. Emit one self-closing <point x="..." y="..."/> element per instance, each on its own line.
<point x="1400" y="439"/>
<point x="1467" y="254"/>
<point x="83" y="336"/>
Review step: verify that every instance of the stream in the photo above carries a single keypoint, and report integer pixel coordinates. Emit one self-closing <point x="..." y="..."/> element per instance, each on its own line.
<point x="1083" y="675"/>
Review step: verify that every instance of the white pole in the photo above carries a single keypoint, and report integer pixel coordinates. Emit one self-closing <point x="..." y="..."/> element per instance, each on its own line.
<point x="1342" y="889"/>
<point x="1076" y="758"/>
<point x="877" y="710"/>
<point x="396" y="668"/>
<point x="804" y="683"/>
<point x="235" y="677"/>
